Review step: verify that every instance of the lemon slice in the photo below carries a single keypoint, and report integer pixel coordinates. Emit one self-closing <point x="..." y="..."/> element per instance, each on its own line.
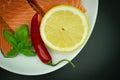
<point x="64" y="28"/>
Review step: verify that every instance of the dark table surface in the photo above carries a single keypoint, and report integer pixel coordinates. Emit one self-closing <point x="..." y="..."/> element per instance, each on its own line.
<point x="99" y="59"/>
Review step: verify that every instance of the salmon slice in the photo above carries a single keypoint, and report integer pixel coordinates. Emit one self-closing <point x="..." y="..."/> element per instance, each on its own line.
<point x="16" y="12"/>
<point x="44" y="5"/>
<point x="4" y="45"/>
<point x="78" y="4"/>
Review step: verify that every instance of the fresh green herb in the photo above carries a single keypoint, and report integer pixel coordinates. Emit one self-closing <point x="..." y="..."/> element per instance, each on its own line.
<point x="10" y="38"/>
<point x="28" y="52"/>
<point x="19" y="42"/>
<point x="13" y="53"/>
<point x="28" y="45"/>
<point x="22" y="33"/>
<point x="20" y="45"/>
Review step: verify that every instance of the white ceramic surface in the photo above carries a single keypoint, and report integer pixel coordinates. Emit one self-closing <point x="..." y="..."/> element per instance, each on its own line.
<point x="33" y="66"/>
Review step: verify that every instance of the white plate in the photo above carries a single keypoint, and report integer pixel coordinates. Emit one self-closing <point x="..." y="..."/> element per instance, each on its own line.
<point x="33" y="66"/>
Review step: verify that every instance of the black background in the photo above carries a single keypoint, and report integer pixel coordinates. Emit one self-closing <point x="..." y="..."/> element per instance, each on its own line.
<point x="98" y="60"/>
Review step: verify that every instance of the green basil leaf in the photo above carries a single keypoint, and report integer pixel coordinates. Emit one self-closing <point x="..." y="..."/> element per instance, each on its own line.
<point x="12" y="53"/>
<point x="20" y="45"/>
<point x="22" y="33"/>
<point x="28" y="45"/>
<point x="10" y="38"/>
<point x="27" y="52"/>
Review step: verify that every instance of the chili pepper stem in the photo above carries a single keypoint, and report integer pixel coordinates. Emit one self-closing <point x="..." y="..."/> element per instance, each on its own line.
<point x="50" y="63"/>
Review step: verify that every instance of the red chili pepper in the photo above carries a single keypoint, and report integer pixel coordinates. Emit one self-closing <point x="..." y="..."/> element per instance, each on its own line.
<point x="39" y="46"/>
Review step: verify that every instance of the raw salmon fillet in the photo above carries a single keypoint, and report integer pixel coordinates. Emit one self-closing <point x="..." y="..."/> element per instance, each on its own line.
<point x="16" y="12"/>
<point x="4" y="45"/>
<point x="43" y="6"/>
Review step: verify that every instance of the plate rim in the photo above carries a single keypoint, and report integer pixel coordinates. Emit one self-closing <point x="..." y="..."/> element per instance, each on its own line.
<point x="13" y="71"/>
